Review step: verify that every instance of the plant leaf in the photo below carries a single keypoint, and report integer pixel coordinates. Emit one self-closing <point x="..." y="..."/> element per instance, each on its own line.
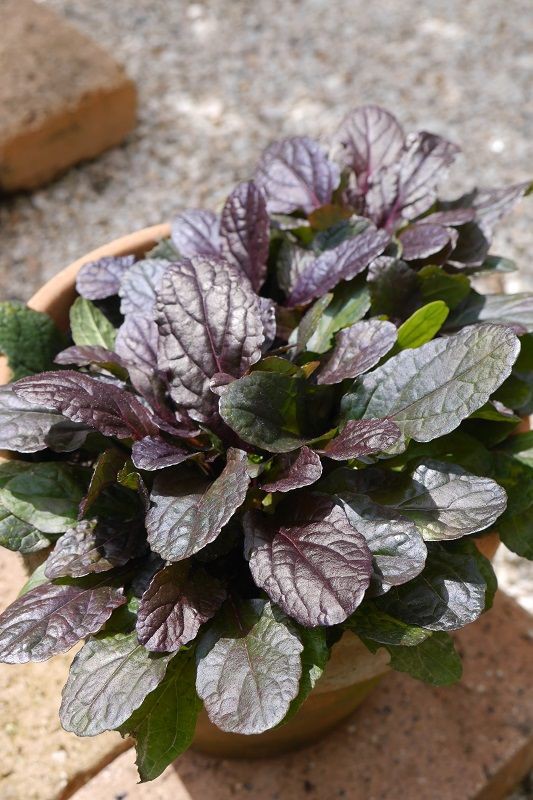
<point x="244" y="232"/>
<point x="446" y="596"/>
<point x="368" y="139"/>
<point x="140" y="285"/>
<point x="434" y="661"/>
<point x="95" y="546"/>
<point x="251" y="674"/>
<point x="435" y="284"/>
<point x="296" y="175"/>
<point x="163" y="726"/>
<point x="398" y="550"/>
<point x="195" y="233"/>
<point x="493" y="204"/>
<point x="315" y="656"/>
<point x="357" y="349"/>
<point x="209" y="321"/>
<point x="350" y="303"/>
<point x="362" y="437"/>
<point x="423" y="165"/>
<point x="109" y="679"/>
<point x="136" y="344"/>
<point x="422" y="326"/>
<point x="316" y="569"/>
<point x="370" y="622"/>
<point x="97" y="280"/>
<point x="189" y="512"/>
<point x="50" y="619"/>
<point x="28" y="428"/>
<point x="514" y="310"/>
<point x="28" y="338"/>
<point x="103" y="406"/>
<point x="153" y="453"/>
<point x="20" y="536"/>
<point x="429" y="390"/>
<point x="422" y="240"/>
<point x="341" y="263"/>
<point x="46" y="495"/>
<point x="175" y="605"/>
<point x="293" y="471"/>
<point x="106" y="469"/>
<point x="276" y="412"/>
<point x="392" y="286"/>
<point x="89" y="326"/>
<point x="88" y="355"/>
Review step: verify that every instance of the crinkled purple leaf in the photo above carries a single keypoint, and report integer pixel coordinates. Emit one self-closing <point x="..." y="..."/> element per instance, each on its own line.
<point x="244" y="232"/>
<point x="368" y="138"/>
<point x="295" y="174"/>
<point x="50" y="619"/>
<point x="189" y="511"/>
<point x="455" y="217"/>
<point x="250" y="675"/>
<point x="422" y="240"/>
<point x="291" y="264"/>
<point x="423" y="165"/>
<point x="196" y="233"/>
<point x="338" y="264"/>
<point x="109" y="679"/>
<point x="357" y="349"/>
<point x="362" y="437"/>
<point x="209" y="321"/>
<point x="103" y="406"/>
<point x="95" y="546"/>
<point x="493" y="204"/>
<point x="153" y="453"/>
<point x="293" y="471"/>
<point x="267" y="311"/>
<point x="178" y="601"/>
<point x="140" y="285"/>
<point x="86" y="355"/>
<point x="317" y="569"/>
<point x="27" y="427"/>
<point x="136" y="345"/>
<point x="97" y="280"/>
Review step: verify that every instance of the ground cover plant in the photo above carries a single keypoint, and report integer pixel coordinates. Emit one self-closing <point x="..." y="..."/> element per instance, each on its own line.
<point x="290" y="419"/>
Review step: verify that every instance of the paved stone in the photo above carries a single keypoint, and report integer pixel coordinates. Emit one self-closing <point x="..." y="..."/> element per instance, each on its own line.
<point x="63" y="98"/>
<point x="472" y="741"/>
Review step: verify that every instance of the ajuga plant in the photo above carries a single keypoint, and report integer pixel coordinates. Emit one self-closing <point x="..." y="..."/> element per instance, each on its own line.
<point x="288" y="420"/>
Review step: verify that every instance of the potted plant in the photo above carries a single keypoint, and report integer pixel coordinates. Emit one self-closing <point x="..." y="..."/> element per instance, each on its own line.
<point x="263" y="458"/>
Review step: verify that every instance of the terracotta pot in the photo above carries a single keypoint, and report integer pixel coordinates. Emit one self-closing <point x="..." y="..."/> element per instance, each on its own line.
<point x="352" y="670"/>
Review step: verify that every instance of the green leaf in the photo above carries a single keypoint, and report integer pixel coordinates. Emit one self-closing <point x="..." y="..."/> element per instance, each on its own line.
<point x="516" y="532"/>
<point x="109" y="679"/>
<point x="310" y="320"/>
<point x="422" y="326"/>
<point x="516" y="478"/>
<point x="315" y="656"/>
<point x="28" y="338"/>
<point x="351" y="301"/>
<point x="37" y="578"/>
<point x="521" y="448"/>
<point x="89" y="326"/>
<point x="20" y="536"/>
<point x="435" y="284"/>
<point x="497" y="264"/>
<point x="276" y="412"/>
<point x="370" y="622"/>
<point x="430" y="390"/>
<point x="433" y="661"/>
<point x="392" y="285"/>
<point x="163" y="249"/>
<point x="163" y="726"/>
<point x="46" y="495"/>
<point x="105" y="474"/>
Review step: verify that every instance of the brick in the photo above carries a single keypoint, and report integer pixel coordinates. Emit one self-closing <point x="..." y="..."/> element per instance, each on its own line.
<point x="63" y="98"/>
<point x="472" y="741"/>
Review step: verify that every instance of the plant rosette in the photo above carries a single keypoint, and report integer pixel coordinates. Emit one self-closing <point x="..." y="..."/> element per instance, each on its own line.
<point x="281" y="426"/>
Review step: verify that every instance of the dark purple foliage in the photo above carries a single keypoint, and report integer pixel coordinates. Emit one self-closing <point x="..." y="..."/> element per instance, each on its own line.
<point x="97" y="280"/>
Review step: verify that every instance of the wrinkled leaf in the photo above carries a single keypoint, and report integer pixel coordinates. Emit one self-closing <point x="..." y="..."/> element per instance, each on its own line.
<point x="136" y="344"/>
<point x="153" y="453"/>
<point x="357" y="349"/>
<point x="422" y="240"/>
<point x="97" y="280"/>
<point x="244" y="232"/>
<point x="104" y="474"/>
<point x="195" y="233"/>
<point x="29" y="339"/>
<point x="362" y="437"/>
<point x="140" y="285"/>
<point x="20" y="536"/>
<point x="370" y="622"/>
<point x="367" y="139"/>
<point x="293" y="471"/>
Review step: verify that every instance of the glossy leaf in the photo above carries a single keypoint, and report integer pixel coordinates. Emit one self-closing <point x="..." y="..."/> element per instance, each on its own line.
<point x="50" y="619"/>
<point x="136" y="344"/>
<point x="434" y="661"/>
<point x="209" y="322"/>
<point x="435" y="284"/>
<point x="175" y="605"/>
<point x="189" y="512"/>
<point x="292" y="471"/>
<point x="362" y="437"/>
<point x="97" y="280"/>
<point x="195" y="233"/>
<point x="140" y="285"/>
<point x="357" y="349"/>
<point x="515" y="310"/>
<point x="422" y="326"/>
<point x="89" y="326"/>
<point x="20" y="536"/>
<point x="368" y="139"/>
<point x="27" y="427"/>
<point x="423" y="165"/>
<point x="370" y="622"/>
<point x="392" y="284"/>
<point x="153" y="453"/>
<point x="421" y="240"/>
<point x="251" y="674"/>
<point x="317" y="569"/>
<point x="350" y="303"/>
<point x="244" y="232"/>
<point x="315" y="656"/>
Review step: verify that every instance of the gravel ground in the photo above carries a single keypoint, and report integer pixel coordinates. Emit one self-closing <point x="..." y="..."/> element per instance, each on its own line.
<point x="219" y="80"/>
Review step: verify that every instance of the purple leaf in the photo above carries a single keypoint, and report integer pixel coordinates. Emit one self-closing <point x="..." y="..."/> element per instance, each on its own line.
<point x="50" y="619"/>
<point x="93" y="547"/>
<point x="189" y="512"/>
<point x="357" y="349"/>
<point x="422" y="240"/>
<point x="493" y="204"/>
<point x="85" y="355"/>
<point x="97" y="280"/>
<point x="296" y="175"/>
<point x="27" y="427"/>
<point x="81" y="398"/>
<point x="454" y="217"/>
<point x="136" y="344"/>
<point x="195" y="233"/>
<point x="362" y="437"/>
<point x="292" y="263"/>
<point x="368" y="139"/>
<point x="153" y="453"/>
<point x="177" y="602"/>
<point x="316" y="569"/>
<point x="267" y="311"/>
<point x="423" y="165"/>
<point x="293" y="471"/>
<point x="244" y="232"/>
<point x="209" y="321"/>
<point x="140" y="285"/>
<point x="341" y="263"/>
